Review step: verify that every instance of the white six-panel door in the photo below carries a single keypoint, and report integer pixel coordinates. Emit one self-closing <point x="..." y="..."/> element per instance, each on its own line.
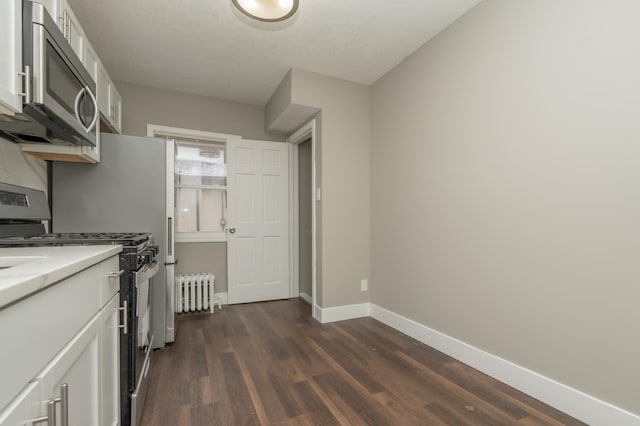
<point x="258" y="225"/>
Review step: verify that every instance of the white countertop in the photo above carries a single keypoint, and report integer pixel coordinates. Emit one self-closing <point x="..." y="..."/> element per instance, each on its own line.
<point x="40" y="267"/>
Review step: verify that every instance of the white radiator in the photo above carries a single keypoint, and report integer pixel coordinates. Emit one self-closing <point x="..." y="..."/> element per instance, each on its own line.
<point x="194" y="292"/>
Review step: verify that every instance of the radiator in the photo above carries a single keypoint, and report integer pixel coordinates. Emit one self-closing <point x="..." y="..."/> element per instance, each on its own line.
<point x="194" y="292"/>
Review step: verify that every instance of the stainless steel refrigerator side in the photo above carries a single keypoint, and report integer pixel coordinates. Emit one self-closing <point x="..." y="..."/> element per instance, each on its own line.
<point x="171" y="260"/>
<point x="125" y="192"/>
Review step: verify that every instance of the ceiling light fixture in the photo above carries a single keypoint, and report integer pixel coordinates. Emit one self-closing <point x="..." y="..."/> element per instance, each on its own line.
<point x="261" y="12"/>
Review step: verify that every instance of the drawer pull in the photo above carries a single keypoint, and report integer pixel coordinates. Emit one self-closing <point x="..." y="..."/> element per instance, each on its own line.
<point x="125" y="316"/>
<point x="64" y="404"/>
<point x="51" y="414"/>
<point x="116" y="274"/>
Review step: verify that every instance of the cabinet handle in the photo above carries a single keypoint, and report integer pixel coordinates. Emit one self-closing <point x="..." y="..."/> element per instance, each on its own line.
<point x="116" y="274"/>
<point x="27" y="84"/>
<point x="68" y="36"/>
<point x="170" y="236"/>
<point x="76" y="106"/>
<point x="51" y="414"/>
<point x="64" y="404"/>
<point x="125" y="315"/>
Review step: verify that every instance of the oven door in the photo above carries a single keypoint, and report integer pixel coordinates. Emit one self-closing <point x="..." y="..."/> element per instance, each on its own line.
<point x="143" y="284"/>
<point x="61" y="95"/>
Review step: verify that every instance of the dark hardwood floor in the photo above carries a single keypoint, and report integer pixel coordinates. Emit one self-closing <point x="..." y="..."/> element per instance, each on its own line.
<point x="272" y="364"/>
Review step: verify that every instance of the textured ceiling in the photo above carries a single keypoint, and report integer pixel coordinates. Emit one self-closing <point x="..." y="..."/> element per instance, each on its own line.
<point x="201" y="47"/>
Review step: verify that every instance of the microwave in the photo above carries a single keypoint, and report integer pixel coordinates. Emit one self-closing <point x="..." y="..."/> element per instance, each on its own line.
<point x="59" y="95"/>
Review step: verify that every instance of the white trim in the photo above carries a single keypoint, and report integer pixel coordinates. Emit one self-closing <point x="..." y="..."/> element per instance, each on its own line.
<point x="178" y="132"/>
<point x="571" y="401"/>
<point x="317" y="312"/>
<point x="294" y="214"/>
<point x="306" y="298"/>
<point x="341" y="313"/>
<point x="299" y="136"/>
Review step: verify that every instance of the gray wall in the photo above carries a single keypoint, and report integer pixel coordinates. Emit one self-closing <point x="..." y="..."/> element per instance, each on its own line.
<point x="204" y="257"/>
<point x="505" y="201"/>
<point x="305" y="198"/>
<point x="146" y="105"/>
<point x="343" y="173"/>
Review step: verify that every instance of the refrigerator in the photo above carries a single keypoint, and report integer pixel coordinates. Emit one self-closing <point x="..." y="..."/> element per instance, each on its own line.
<point x="130" y="190"/>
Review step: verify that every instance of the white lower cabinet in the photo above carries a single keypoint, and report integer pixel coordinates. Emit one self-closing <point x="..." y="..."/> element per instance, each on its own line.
<point x="80" y="385"/>
<point x="71" y="380"/>
<point x="109" y="363"/>
<point x="25" y="408"/>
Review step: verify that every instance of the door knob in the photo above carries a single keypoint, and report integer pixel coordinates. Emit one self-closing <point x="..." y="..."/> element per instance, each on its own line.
<point x="232" y="230"/>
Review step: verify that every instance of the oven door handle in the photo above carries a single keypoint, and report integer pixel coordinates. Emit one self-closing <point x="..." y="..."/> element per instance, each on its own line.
<point x="147" y="273"/>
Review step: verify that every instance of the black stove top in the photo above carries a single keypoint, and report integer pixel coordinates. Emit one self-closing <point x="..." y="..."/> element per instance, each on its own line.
<point x="127" y="239"/>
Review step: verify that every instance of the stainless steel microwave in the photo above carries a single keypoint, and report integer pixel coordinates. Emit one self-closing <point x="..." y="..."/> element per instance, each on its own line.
<point x="59" y="101"/>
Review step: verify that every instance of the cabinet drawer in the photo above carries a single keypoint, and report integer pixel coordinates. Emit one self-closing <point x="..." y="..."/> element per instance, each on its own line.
<point x="38" y="327"/>
<point x="109" y="279"/>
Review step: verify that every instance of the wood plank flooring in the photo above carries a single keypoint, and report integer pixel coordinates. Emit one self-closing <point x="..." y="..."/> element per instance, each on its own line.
<point x="272" y="364"/>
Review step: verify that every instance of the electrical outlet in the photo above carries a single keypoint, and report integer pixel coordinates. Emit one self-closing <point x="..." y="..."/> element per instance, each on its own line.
<point x="364" y="285"/>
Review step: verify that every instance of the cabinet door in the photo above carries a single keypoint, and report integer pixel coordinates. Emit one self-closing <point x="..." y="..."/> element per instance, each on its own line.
<point x="90" y="61"/>
<point x="110" y="363"/>
<point x="11" y="57"/>
<point x="25" y="408"/>
<point x="104" y="92"/>
<point x="76" y="368"/>
<point x="116" y="102"/>
<point x="73" y="31"/>
<point x="53" y="7"/>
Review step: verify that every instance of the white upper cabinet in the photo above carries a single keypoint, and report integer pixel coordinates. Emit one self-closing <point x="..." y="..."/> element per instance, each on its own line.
<point x="61" y="12"/>
<point x="54" y="7"/>
<point x="90" y="60"/>
<point x="72" y="30"/>
<point x="11" y="57"/>
<point x="109" y="101"/>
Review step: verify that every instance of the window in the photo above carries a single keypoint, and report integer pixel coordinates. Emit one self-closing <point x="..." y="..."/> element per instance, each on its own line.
<point x="200" y="190"/>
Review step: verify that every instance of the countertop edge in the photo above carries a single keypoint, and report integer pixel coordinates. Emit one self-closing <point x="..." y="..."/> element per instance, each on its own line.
<point x="26" y="285"/>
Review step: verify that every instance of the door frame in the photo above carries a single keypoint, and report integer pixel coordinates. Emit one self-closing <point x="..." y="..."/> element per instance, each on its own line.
<point x="302" y="134"/>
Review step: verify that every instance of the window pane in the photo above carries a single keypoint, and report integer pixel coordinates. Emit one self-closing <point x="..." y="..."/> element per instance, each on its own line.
<point x="199" y="209"/>
<point x="186" y="210"/>
<point x="211" y="210"/>
<point x="203" y="164"/>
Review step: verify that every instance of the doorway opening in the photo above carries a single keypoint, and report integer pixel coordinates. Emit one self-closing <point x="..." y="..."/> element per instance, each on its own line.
<point x="304" y="198"/>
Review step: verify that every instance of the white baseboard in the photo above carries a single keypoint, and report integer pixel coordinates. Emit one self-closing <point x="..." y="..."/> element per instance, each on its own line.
<point x="306" y="298"/>
<point x="317" y="313"/>
<point x="571" y="401"/>
<point x="341" y="313"/>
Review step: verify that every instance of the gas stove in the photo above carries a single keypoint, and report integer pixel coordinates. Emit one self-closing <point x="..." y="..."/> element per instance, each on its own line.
<point x="22" y="211"/>
<point x="127" y="239"/>
<point x="138" y="248"/>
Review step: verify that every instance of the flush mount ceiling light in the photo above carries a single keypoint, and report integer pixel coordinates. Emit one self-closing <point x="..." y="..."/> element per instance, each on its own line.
<point x="266" y="14"/>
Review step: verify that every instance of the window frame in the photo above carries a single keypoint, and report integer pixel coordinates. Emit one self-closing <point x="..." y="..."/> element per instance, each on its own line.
<point x="196" y="137"/>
